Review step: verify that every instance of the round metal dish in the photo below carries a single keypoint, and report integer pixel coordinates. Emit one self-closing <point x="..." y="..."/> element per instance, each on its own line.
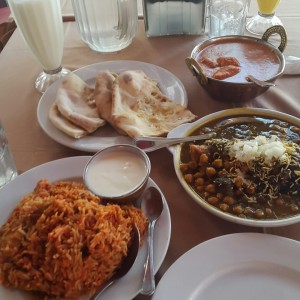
<point x="130" y="195"/>
<point x="227" y="91"/>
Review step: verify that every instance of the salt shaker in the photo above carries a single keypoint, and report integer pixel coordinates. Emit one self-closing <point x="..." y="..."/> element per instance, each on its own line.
<point x="8" y="170"/>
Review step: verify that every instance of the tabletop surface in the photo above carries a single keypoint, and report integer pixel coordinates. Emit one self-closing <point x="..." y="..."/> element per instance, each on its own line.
<point x="31" y="147"/>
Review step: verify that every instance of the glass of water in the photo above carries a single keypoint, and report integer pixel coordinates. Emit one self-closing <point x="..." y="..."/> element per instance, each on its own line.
<point x="106" y="25"/>
<point x="8" y="170"/>
<point x="227" y="17"/>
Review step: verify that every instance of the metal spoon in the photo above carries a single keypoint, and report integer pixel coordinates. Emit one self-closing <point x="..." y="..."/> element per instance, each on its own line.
<point x="153" y="143"/>
<point x="126" y="264"/>
<point x="152" y="205"/>
<point x="261" y="83"/>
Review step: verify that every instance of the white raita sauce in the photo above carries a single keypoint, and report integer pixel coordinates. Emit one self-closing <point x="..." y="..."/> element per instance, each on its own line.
<point x="41" y="25"/>
<point x="116" y="173"/>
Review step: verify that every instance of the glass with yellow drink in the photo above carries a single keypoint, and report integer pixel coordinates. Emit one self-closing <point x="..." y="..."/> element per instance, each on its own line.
<point x="267" y="7"/>
<point x="265" y="17"/>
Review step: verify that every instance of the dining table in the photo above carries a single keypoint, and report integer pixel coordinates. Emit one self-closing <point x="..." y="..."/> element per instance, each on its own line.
<point x="31" y="146"/>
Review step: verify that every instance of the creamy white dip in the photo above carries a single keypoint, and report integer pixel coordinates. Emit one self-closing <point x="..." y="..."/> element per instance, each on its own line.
<point x="116" y="173"/>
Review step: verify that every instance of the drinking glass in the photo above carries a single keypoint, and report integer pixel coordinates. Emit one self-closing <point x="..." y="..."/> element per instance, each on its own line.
<point x="41" y="26"/>
<point x="227" y="17"/>
<point x="106" y="25"/>
<point x="8" y="169"/>
<point x="265" y="18"/>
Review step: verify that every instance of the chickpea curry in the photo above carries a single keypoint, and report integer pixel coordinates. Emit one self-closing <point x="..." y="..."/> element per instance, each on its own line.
<point x="251" y="170"/>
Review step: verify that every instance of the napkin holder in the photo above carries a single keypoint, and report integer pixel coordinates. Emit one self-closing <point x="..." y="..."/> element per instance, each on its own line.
<point x="174" y="17"/>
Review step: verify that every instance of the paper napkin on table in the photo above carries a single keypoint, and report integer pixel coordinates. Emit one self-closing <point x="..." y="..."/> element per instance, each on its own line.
<point x="292" y="65"/>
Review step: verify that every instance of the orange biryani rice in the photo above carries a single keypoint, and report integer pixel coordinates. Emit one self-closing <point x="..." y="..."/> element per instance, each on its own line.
<point x="60" y="241"/>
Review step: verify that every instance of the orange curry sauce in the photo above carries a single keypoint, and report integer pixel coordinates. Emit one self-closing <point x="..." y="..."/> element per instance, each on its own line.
<point x="239" y="58"/>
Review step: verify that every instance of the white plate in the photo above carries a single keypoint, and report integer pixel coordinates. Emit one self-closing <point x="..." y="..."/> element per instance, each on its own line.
<point x="232" y="267"/>
<point x="68" y="168"/>
<point x="106" y="136"/>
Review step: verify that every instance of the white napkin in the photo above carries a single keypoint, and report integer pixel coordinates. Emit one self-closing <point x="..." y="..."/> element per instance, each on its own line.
<point x="292" y="65"/>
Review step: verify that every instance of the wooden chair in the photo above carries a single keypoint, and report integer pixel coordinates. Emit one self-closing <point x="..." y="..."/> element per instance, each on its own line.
<point x="6" y="30"/>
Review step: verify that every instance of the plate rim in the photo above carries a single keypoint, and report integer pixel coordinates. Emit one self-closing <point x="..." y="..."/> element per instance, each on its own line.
<point x="163" y="225"/>
<point x="250" y="242"/>
<point x="83" y="144"/>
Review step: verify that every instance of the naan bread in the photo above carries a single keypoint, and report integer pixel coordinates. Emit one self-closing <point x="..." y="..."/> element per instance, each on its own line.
<point x="139" y="108"/>
<point x="131" y="102"/>
<point x="61" y="123"/>
<point x="103" y="94"/>
<point x="75" y="101"/>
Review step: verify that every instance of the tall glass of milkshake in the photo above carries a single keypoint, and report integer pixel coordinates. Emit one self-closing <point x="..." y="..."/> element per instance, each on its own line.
<point x="40" y="23"/>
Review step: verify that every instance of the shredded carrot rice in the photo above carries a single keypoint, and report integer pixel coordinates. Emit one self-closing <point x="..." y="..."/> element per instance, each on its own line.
<point x="60" y="241"/>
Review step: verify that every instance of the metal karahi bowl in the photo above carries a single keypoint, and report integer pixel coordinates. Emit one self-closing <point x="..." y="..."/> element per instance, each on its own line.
<point x="221" y="116"/>
<point x="230" y="91"/>
<point x="129" y="159"/>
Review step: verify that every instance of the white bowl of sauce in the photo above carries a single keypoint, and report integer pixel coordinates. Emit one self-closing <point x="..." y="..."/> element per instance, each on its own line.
<point x="118" y="173"/>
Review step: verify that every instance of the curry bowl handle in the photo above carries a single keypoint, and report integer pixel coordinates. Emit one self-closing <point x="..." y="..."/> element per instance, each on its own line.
<point x="279" y="30"/>
<point x="196" y="70"/>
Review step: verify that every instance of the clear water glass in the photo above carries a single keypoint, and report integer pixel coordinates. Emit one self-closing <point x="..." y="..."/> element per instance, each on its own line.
<point x="227" y="17"/>
<point x="106" y="25"/>
<point x="8" y="170"/>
